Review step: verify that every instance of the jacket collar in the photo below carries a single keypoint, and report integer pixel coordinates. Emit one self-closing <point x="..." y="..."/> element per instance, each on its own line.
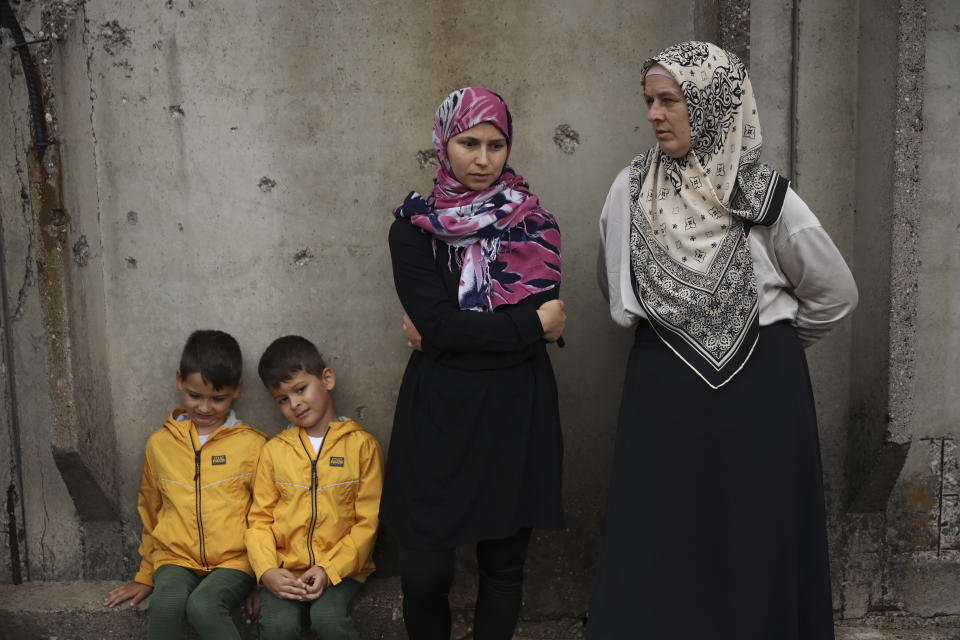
<point x="291" y="434"/>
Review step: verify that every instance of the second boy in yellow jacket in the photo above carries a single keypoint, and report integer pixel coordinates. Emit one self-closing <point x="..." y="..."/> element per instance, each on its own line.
<point x="316" y="501"/>
<point x="328" y="519"/>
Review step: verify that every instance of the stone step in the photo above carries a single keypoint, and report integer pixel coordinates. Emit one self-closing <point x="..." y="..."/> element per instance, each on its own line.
<point x="74" y="611"/>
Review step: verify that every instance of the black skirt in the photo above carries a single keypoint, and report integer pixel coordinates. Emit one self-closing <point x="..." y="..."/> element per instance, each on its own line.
<point x="715" y="524"/>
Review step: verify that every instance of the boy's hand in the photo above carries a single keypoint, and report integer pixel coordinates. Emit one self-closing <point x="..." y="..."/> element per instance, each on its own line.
<point x="252" y="604"/>
<point x="133" y="591"/>
<point x="414" y="341"/>
<point x="315" y="580"/>
<point x="282" y="584"/>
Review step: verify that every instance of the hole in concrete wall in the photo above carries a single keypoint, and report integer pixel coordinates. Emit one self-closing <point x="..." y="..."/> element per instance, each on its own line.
<point x="302" y="257"/>
<point x="566" y="138"/>
<point x="427" y="158"/>
<point x="176" y="111"/>
<point x="126" y="67"/>
<point x="113" y="36"/>
<point x="131" y="262"/>
<point x="266" y="184"/>
<point x="132" y="217"/>
<point x="81" y="251"/>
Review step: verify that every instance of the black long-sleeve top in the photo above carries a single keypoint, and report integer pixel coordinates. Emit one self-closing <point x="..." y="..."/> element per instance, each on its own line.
<point x="476" y="447"/>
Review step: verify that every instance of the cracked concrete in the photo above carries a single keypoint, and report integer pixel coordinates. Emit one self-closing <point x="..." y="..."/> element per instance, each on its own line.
<point x="27" y="281"/>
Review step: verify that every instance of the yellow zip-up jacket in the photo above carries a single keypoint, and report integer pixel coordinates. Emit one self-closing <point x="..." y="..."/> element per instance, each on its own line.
<point x="193" y="500"/>
<point x="317" y="508"/>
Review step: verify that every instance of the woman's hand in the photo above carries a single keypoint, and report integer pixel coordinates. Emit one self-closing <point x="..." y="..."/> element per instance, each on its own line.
<point x="413" y="336"/>
<point x="552" y="319"/>
<point x="132" y="591"/>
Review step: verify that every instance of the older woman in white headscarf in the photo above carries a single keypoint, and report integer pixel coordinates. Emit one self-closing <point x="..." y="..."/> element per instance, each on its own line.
<point x="716" y="500"/>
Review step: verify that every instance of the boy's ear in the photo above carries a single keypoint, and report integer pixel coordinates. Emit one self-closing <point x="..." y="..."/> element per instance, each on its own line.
<point x="328" y="378"/>
<point x="179" y="380"/>
<point x="236" y="389"/>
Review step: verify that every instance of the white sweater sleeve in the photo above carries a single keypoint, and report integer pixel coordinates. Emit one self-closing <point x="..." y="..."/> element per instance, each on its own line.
<point x="820" y="279"/>
<point x="613" y="262"/>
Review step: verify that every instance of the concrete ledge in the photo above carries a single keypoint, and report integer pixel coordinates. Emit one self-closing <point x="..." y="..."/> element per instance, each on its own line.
<point x="899" y="626"/>
<point x="74" y="611"/>
<point x="860" y="633"/>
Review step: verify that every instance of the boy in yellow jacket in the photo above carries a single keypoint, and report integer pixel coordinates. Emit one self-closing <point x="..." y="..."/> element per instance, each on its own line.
<point x="195" y="491"/>
<point x="315" y="501"/>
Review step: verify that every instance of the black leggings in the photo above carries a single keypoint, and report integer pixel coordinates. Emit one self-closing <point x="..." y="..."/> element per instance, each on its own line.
<point x="426" y="577"/>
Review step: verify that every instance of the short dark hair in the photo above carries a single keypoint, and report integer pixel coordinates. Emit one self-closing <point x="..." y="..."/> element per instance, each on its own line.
<point x="287" y="355"/>
<point x="215" y="355"/>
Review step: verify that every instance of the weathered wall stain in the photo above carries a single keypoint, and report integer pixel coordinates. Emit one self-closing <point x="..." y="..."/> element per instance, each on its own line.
<point x="921" y="503"/>
<point x="925" y="510"/>
<point x="946" y="519"/>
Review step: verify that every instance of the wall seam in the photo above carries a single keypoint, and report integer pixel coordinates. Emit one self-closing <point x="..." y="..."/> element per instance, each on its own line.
<point x="794" y="92"/>
<point x="8" y="348"/>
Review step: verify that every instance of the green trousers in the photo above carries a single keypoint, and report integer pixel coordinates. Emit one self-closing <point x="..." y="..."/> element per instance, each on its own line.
<point x="329" y="619"/>
<point x="206" y="601"/>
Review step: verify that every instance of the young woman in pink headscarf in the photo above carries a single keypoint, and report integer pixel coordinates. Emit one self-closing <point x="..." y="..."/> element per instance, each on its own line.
<point x="475" y="453"/>
<point x="716" y="505"/>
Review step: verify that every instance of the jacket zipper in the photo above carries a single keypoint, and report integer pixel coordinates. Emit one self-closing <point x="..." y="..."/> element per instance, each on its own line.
<point x="196" y="483"/>
<point x="314" y="486"/>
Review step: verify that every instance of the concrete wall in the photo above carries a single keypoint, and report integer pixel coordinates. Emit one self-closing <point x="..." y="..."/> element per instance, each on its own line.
<point x="51" y="545"/>
<point x="924" y="514"/>
<point x="233" y="165"/>
<point x="938" y="325"/>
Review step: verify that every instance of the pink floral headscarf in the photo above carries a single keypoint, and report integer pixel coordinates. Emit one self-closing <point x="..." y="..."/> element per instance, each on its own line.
<point x="507" y="245"/>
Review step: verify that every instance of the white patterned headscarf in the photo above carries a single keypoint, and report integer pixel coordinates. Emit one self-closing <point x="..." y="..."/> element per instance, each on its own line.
<point x="691" y="264"/>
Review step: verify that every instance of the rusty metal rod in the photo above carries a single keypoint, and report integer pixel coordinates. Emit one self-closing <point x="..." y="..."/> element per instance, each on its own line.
<point x="31" y="76"/>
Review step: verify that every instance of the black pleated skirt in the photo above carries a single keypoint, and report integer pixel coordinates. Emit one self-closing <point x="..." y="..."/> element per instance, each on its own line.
<point x="715" y="524"/>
